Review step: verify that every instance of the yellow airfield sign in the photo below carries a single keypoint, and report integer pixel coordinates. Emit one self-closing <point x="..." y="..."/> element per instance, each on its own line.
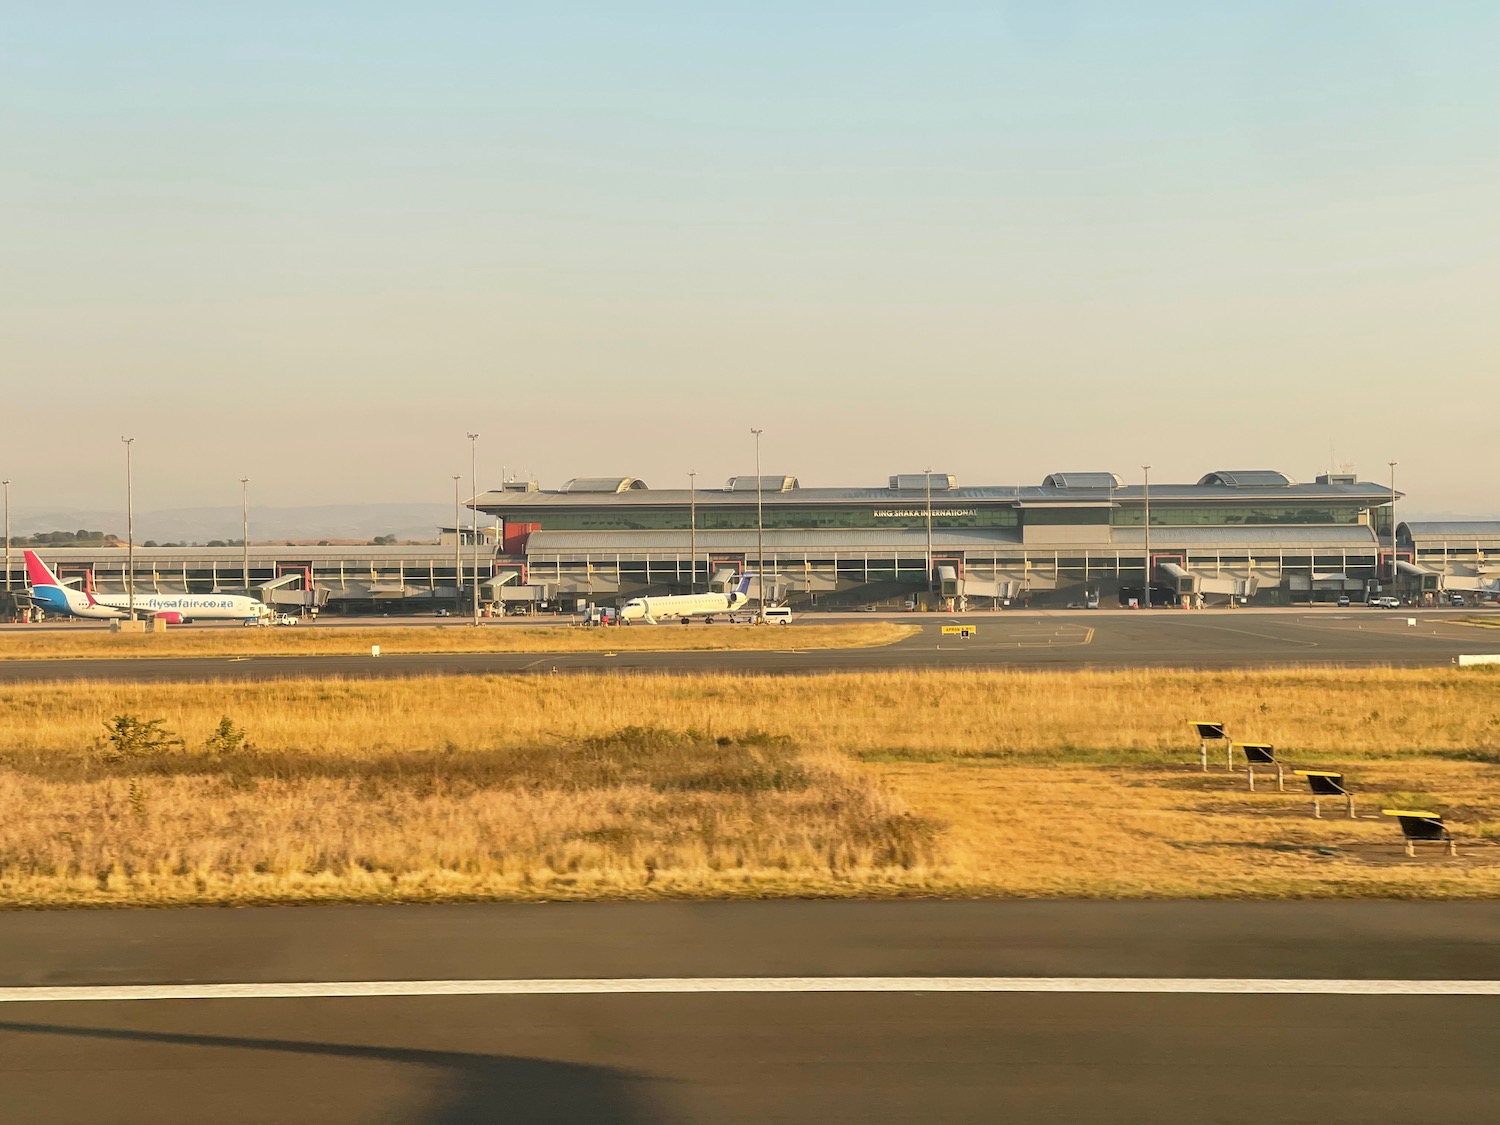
<point x="960" y="630"/>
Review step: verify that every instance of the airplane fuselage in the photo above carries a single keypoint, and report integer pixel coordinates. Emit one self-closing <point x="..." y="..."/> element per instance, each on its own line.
<point x="203" y="607"/>
<point x="681" y="607"/>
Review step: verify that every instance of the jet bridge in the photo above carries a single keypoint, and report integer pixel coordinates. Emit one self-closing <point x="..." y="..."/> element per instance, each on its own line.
<point x="960" y="587"/>
<point x="810" y="581"/>
<point x="278" y="592"/>
<point x="1476" y="583"/>
<point x="1185" y="582"/>
<point x="776" y="587"/>
<point x="1426" y="580"/>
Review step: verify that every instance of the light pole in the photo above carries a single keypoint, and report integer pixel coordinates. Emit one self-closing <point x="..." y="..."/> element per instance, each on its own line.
<point x="458" y="547"/>
<point x="1146" y="599"/>
<point x="245" y="530"/>
<point x="129" y="529"/>
<point x="693" y="532"/>
<point x="474" y="504"/>
<point x="1392" y="465"/>
<point x="7" y="534"/>
<point x="927" y="473"/>
<point x="1114" y="545"/>
<point x="760" y="537"/>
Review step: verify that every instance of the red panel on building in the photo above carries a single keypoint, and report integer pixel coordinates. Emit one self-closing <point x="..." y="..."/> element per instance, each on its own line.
<point x="516" y="535"/>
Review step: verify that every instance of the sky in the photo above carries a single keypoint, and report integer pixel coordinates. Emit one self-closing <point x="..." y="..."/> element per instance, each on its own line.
<point x="317" y="244"/>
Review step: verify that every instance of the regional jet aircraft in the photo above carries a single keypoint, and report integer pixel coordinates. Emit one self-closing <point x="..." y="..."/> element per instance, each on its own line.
<point x="686" y="606"/>
<point x="47" y="592"/>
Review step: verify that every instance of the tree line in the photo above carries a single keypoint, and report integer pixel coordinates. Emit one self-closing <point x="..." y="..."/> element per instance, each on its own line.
<point x="77" y="538"/>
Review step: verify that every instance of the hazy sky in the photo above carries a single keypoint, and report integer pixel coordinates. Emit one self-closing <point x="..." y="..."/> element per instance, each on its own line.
<point x="315" y="244"/>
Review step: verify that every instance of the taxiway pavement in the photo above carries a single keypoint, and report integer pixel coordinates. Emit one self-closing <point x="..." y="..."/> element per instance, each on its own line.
<point x="731" y="1057"/>
<point x="1037" y="640"/>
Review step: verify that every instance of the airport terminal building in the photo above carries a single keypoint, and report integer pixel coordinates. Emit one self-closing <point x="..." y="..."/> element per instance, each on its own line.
<point x="1247" y="537"/>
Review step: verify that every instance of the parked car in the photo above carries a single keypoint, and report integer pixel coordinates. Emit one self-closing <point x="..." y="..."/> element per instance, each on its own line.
<point x="1386" y="602"/>
<point x="1343" y="600"/>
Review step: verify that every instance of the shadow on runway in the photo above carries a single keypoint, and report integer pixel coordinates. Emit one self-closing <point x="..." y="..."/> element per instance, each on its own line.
<point x="474" y="1088"/>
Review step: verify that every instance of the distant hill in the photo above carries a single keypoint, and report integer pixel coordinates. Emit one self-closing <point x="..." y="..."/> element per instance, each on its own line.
<point x="357" y="522"/>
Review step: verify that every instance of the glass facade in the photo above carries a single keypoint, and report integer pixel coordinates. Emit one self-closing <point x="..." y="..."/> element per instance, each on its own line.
<point x="775" y="517"/>
<point x="948" y="513"/>
<point x="1068" y="517"/>
<point x="1219" y="515"/>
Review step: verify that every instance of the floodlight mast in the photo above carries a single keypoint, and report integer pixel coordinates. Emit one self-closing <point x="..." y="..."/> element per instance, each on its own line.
<point x="1393" y="465"/>
<point x="927" y="473"/>
<point x="760" y="536"/>
<point x="245" y="531"/>
<point x="474" y="506"/>
<point x="1146" y="592"/>
<point x="129" y="529"/>
<point x="693" y="532"/>
<point x="7" y="534"/>
<point x="458" y="549"/>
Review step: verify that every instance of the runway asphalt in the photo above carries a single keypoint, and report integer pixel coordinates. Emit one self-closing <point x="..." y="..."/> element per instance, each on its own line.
<point x="728" y="1057"/>
<point x="1220" y="639"/>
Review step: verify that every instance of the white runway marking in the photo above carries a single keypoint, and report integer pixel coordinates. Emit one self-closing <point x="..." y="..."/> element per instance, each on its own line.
<point x="635" y="986"/>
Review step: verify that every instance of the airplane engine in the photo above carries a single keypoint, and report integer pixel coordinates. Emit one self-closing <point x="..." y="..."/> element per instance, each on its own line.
<point x="170" y="617"/>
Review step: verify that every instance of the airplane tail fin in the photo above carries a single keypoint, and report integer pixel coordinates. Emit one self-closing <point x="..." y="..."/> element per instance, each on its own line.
<point x="744" y="586"/>
<point x="38" y="573"/>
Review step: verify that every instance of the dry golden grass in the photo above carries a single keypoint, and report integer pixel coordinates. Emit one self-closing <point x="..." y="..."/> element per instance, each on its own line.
<point x="640" y="812"/>
<point x="876" y="783"/>
<point x="1107" y="716"/>
<point x="1174" y="832"/>
<point x="313" y="640"/>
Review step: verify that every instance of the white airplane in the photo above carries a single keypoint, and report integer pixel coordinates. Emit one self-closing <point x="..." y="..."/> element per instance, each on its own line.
<point x="686" y="606"/>
<point x="47" y="592"/>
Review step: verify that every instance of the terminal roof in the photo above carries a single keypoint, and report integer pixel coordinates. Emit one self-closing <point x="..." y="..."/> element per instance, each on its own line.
<point x="597" y="485"/>
<point x="631" y="492"/>
<point x="1082" y="480"/>
<point x="1461" y="530"/>
<point x="1247" y="478"/>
